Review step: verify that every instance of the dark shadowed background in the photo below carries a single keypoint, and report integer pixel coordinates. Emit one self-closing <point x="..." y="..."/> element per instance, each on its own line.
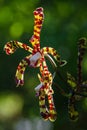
<point x="64" y="23"/>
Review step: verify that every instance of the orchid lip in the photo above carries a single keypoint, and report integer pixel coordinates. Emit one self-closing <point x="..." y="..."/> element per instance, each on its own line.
<point x="38" y="87"/>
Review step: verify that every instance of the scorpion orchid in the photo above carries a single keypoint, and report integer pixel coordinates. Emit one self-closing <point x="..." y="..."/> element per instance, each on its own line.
<point x="36" y="58"/>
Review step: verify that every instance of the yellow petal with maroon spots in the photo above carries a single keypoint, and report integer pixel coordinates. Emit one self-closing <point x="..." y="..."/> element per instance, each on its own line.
<point x="12" y="46"/>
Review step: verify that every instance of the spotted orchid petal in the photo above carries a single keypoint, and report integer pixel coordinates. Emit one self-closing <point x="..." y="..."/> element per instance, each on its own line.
<point x="54" y="53"/>
<point x="35" y="39"/>
<point x="42" y="103"/>
<point x="47" y="110"/>
<point x="46" y="75"/>
<point x="12" y="46"/>
<point x="21" y="69"/>
<point x="46" y="86"/>
<point x="32" y="61"/>
<point x="52" y="110"/>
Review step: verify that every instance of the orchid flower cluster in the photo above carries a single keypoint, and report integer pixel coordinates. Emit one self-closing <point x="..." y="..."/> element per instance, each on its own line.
<point x="78" y="86"/>
<point x="37" y="59"/>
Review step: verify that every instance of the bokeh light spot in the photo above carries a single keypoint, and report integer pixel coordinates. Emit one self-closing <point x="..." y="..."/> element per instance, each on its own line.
<point x="16" y="30"/>
<point x="10" y="106"/>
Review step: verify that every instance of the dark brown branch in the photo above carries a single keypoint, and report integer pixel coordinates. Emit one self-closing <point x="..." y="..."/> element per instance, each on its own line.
<point x="81" y="51"/>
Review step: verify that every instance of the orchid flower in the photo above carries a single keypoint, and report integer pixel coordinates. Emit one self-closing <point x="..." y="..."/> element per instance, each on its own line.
<point x="36" y="58"/>
<point x="78" y="87"/>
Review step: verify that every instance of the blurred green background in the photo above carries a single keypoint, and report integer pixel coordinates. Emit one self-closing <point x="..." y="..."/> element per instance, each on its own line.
<point x="65" y="22"/>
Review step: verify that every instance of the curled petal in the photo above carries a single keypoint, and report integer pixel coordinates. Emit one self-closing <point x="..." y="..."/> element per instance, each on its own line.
<point x="51" y="60"/>
<point x="31" y="61"/>
<point x="21" y="69"/>
<point x="12" y="46"/>
<point x="54" y="53"/>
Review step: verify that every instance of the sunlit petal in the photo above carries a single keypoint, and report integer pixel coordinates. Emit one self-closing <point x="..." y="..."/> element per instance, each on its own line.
<point x="42" y="103"/>
<point x="52" y="110"/>
<point x="12" y="46"/>
<point x="21" y="69"/>
<point x="35" y="39"/>
<point x="54" y="53"/>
